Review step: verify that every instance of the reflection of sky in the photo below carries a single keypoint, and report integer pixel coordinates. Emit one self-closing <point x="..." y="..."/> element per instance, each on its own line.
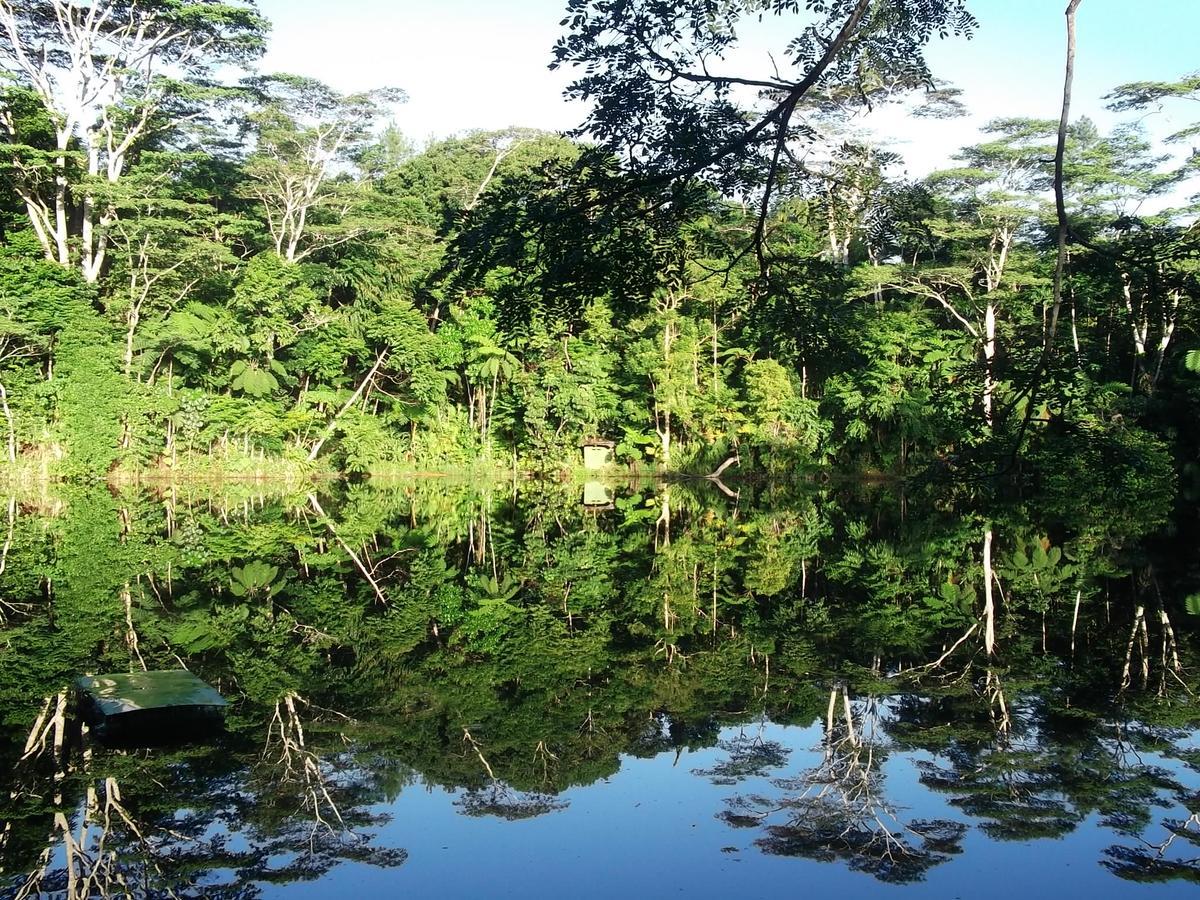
<point x="476" y="64"/>
<point x="652" y="830"/>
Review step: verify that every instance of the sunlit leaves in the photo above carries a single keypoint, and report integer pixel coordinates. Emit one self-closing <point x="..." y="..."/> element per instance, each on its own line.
<point x="249" y="378"/>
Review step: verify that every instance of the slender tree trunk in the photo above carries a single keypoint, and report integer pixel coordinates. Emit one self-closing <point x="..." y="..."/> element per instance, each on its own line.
<point x="663" y="522"/>
<point x="664" y="433"/>
<point x="1075" y="620"/>
<point x="60" y="199"/>
<point x="87" y="237"/>
<point x="1075" y="334"/>
<point x="1164" y="340"/>
<point x="325" y="435"/>
<point x="1139" y="623"/>
<point x="664" y="437"/>
<point x="132" y="320"/>
<point x="714" y="354"/>
<point x="8" y="419"/>
<point x="989" y="356"/>
<point x="492" y="404"/>
<point x="1060" y="203"/>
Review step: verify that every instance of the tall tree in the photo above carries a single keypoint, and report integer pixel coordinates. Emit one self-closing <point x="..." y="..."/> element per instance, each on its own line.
<point x="664" y="99"/>
<point x="992" y="200"/>
<point x="108" y="74"/>
<point x="306" y="132"/>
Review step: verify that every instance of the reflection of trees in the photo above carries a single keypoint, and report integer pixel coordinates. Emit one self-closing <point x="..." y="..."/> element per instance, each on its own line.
<point x="1150" y="862"/>
<point x="109" y="854"/>
<point x="1138" y="644"/>
<point x="838" y="809"/>
<point x="182" y="822"/>
<point x="499" y="799"/>
<point x="568" y="641"/>
<point x="747" y="757"/>
<point x="288" y="754"/>
<point x="505" y="802"/>
<point x="1040" y="772"/>
<point x="1170" y="850"/>
<point x="104" y="850"/>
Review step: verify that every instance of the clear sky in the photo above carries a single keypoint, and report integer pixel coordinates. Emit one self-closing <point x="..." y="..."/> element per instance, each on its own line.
<point x="482" y="63"/>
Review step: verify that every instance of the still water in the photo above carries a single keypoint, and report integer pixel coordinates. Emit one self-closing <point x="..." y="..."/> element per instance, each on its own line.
<point x="439" y="689"/>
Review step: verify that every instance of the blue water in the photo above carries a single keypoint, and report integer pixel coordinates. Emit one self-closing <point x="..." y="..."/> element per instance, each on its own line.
<point x="653" y="830"/>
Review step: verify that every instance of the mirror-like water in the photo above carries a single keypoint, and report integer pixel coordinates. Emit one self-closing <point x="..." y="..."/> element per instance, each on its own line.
<point x="438" y="688"/>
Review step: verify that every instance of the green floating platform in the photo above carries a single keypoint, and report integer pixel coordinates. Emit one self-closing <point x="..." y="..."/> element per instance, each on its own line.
<point x="149" y="706"/>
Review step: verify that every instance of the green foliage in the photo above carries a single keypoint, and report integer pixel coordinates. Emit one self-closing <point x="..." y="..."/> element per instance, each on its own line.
<point x="780" y="417"/>
<point x="498" y="298"/>
<point x="248" y="378"/>
<point x="92" y="395"/>
<point x="685" y="289"/>
<point x="1082" y="465"/>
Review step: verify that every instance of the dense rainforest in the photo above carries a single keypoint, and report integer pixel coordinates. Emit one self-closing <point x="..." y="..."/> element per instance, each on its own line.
<point x="980" y="659"/>
<point x="198" y="271"/>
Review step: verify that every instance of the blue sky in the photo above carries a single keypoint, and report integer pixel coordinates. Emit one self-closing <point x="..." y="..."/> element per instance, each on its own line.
<point x="482" y="63"/>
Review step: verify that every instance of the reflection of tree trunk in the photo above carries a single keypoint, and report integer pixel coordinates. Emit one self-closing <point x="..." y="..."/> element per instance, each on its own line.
<point x="1139" y="629"/>
<point x="668" y="614"/>
<point x="663" y="523"/>
<point x="93" y="866"/>
<point x="354" y="557"/>
<point x="7" y="605"/>
<point x="49" y="729"/>
<point x="840" y="805"/>
<point x="131" y="638"/>
<point x="715" y="583"/>
<point x="12" y="527"/>
<point x="999" y="706"/>
<point x="1075" y="620"/>
<point x="1170" y="647"/>
<point x="286" y="744"/>
<point x="989" y="607"/>
<point x="833" y="728"/>
<point x="467" y="738"/>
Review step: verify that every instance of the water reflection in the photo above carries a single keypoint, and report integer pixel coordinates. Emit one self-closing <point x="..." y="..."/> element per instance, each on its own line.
<point x="932" y="676"/>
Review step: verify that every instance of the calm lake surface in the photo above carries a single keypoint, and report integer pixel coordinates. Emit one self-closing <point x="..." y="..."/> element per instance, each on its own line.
<point x="443" y="689"/>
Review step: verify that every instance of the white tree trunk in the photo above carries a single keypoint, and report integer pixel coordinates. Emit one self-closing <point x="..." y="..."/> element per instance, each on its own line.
<point x="8" y="419"/>
<point x="989" y="356"/>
